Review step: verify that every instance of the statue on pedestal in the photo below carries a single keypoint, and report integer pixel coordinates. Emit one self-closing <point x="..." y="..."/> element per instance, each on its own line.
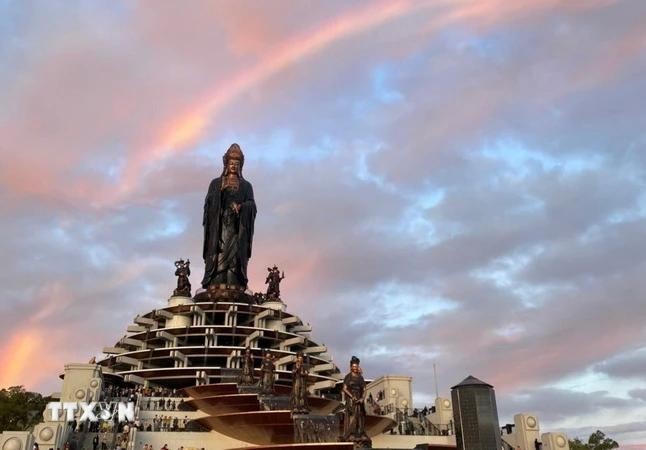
<point x="268" y="369"/>
<point x="246" y="377"/>
<point x="298" y="399"/>
<point x="182" y="272"/>
<point x="273" y="281"/>
<point x="354" y="425"/>
<point x="229" y="215"/>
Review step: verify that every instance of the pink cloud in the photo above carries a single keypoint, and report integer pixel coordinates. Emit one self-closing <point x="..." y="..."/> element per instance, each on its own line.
<point x="78" y="98"/>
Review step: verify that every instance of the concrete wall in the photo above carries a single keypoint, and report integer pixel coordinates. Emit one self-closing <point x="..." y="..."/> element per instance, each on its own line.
<point x="443" y="415"/>
<point x="397" y="391"/>
<point x="526" y="431"/>
<point x="555" y="441"/>
<point x="16" y="440"/>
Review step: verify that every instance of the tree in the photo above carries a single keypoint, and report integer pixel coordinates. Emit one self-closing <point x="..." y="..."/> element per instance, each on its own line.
<point x="596" y="441"/>
<point x="20" y="410"/>
<point x="578" y="444"/>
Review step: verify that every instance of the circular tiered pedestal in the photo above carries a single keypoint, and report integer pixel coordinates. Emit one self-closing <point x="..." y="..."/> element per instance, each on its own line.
<point x="244" y="416"/>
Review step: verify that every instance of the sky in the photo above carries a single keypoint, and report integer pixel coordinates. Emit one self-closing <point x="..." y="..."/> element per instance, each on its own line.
<point x="451" y="182"/>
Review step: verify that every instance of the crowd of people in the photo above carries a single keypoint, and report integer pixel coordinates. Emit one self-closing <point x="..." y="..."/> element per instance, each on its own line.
<point x="112" y="392"/>
<point x="409" y="421"/>
<point x="157" y="423"/>
<point x="165" y="423"/>
<point x="416" y="422"/>
<point x="146" y="399"/>
<point x="103" y="426"/>
<point x="161" y="404"/>
<point x="423" y="412"/>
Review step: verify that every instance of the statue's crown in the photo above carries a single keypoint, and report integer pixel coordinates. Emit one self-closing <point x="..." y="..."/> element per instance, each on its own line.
<point x="234" y="152"/>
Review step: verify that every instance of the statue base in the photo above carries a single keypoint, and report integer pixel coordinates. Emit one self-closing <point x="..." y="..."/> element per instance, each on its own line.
<point x="176" y="300"/>
<point x="315" y="428"/>
<point x="277" y="306"/>
<point x="248" y="389"/>
<point x="270" y="402"/>
<point x="229" y="375"/>
<point x="225" y="293"/>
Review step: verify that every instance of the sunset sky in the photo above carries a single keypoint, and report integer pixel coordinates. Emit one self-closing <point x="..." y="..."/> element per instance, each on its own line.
<point x="449" y="181"/>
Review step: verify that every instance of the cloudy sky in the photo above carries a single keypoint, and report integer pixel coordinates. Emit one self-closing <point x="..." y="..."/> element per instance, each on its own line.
<point x="452" y="182"/>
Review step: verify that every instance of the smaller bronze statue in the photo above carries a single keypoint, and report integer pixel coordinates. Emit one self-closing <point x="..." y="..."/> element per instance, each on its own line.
<point x="273" y="280"/>
<point x="246" y="377"/>
<point x="354" y="388"/>
<point x="182" y="272"/>
<point x="268" y="369"/>
<point x="298" y="399"/>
